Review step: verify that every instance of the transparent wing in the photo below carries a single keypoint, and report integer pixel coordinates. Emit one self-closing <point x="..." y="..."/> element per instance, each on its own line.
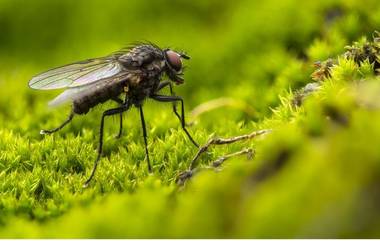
<point x="77" y="74"/>
<point x="67" y="95"/>
<point x="72" y="94"/>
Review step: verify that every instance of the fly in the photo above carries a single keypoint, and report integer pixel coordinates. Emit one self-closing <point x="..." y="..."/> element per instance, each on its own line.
<point x="135" y="73"/>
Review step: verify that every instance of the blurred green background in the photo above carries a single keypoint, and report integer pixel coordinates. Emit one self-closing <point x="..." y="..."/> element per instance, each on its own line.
<point x="252" y="40"/>
<point x="252" y="52"/>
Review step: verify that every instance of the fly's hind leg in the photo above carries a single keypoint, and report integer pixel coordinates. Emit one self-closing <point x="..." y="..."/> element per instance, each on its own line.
<point x="100" y="146"/>
<point x="67" y="121"/>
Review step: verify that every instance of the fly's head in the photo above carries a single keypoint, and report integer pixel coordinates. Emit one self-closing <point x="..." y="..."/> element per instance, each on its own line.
<point x="173" y="65"/>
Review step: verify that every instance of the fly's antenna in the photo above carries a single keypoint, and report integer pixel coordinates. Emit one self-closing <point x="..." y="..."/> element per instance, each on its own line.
<point x="185" y="56"/>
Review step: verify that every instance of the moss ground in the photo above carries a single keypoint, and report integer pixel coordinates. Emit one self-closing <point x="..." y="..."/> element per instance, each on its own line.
<point x="316" y="175"/>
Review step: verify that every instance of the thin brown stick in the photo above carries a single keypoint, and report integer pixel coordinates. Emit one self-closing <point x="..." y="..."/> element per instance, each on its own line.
<point x="250" y="153"/>
<point x="223" y="141"/>
<point x="184" y="176"/>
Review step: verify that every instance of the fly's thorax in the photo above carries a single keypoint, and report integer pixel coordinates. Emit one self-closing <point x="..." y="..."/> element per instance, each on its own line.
<point x="154" y="70"/>
<point x="141" y="56"/>
<point x="157" y="66"/>
<point x="147" y="76"/>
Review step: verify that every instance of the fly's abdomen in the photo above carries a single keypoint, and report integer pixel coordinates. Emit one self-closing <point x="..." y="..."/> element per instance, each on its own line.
<point x="96" y="95"/>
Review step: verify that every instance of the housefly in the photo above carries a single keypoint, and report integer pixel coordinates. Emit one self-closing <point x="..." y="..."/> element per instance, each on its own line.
<point x="127" y="77"/>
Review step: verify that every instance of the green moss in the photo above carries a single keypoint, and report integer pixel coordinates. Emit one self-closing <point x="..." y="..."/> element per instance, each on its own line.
<point x="316" y="175"/>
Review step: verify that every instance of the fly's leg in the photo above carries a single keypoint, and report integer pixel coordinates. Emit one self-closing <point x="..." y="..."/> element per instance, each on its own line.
<point x="176" y="112"/>
<point x="162" y="85"/>
<point x="100" y="146"/>
<point x="118" y="136"/>
<point x="44" y="132"/>
<point x="145" y="137"/>
<point x="119" y="101"/>
<point x="173" y="99"/>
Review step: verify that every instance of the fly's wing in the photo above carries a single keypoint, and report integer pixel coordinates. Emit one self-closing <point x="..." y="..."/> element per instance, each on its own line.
<point x="71" y="94"/>
<point x="67" y="95"/>
<point x="77" y="74"/>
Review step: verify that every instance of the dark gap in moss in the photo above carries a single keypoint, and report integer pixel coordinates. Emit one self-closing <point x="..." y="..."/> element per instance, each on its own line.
<point x="336" y="115"/>
<point x="272" y="166"/>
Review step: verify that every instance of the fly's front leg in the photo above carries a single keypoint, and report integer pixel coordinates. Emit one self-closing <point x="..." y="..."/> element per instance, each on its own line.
<point x="164" y="98"/>
<point x="44" y="132"/>
<point x="100" y="146"/>
<point x="162" y="85"/>
<point x="175" y="106"/>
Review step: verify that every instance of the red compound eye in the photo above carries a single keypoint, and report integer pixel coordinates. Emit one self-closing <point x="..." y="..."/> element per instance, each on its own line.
<point x="174" y="60"/>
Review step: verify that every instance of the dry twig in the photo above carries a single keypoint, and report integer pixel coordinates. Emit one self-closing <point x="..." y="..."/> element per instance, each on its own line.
<point x="220" y="141"/>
